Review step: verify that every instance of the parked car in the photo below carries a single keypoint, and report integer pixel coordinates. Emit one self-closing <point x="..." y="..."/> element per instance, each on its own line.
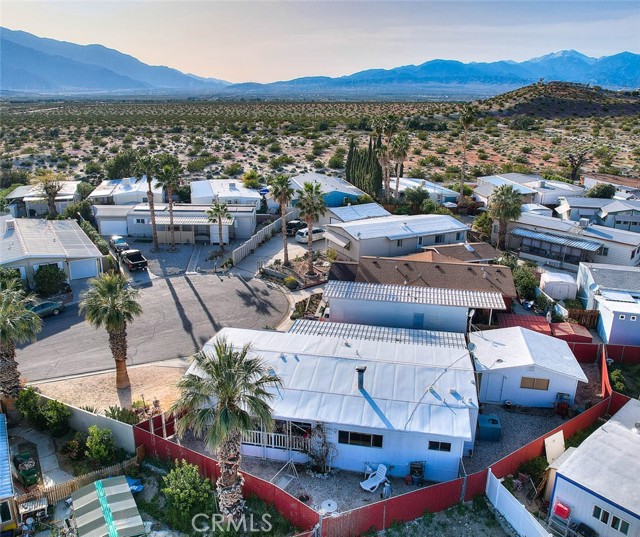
<point x="133" y="259"/>
<point x="47" y="307"/>
<point x="294" y="226"/>
<point x="118" y="243"/>
<point x="303" y="235"/>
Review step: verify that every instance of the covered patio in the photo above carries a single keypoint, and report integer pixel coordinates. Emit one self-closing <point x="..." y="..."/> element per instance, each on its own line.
<point x="555" y="247"/>
<point x="192" y="229"/>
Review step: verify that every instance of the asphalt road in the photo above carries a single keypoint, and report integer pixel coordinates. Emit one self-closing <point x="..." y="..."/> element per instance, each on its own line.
<point x="179" y="315"/>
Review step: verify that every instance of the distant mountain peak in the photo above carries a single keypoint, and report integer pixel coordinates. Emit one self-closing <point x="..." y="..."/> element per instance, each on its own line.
<point x="564" y="54"/>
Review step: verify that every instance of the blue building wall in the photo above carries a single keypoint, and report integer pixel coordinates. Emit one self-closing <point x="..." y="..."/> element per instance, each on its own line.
<point x="336" y="199"/>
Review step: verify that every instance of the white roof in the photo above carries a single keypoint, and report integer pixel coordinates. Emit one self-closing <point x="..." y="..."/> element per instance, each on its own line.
<point x="320" y="382"/>
<point x="534" y="207"/>
<point x="349" y="213"/>
<point x="505" y="348"/>
<point x="346" y="331"/>
<point x="415" y="295"/>
<point x="619" y="306"/>
<point x="104" y="211"/>
<point x="550" y="276"/>
<point x="35" y="191"/>
<point x="327" y="184"/>
<point x="612" y="450"/>
<point x="222" y="189"/>
<point x="401" y="227"/>
<point x="104" y="189"/>
<point x="55" y="239"/>
<point x="135" y="184"/>
<point x="432" y="188"/>
<point x="495" y="181"/>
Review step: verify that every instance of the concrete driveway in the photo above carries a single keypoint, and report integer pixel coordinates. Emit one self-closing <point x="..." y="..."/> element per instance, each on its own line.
<point x="180" y="315"/>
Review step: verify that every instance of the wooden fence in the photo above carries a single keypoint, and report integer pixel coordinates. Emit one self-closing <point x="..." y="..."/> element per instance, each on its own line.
<point x="61" y="491"/>
<point x="261" y="236"/>
<point x="586" y="318"/>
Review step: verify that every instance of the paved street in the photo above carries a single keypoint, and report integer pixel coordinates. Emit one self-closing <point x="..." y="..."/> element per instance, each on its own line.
<point x="180" y="314"/>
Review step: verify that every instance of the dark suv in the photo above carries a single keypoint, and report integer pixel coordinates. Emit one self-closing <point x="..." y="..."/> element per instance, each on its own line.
<point x="294" y="226"/>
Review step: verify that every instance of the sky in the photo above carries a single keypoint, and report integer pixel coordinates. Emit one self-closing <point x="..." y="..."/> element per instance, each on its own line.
<point x="265" y="41"/>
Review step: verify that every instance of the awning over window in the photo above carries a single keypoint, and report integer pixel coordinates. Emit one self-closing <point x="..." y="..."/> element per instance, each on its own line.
<point x="336" y="239"/>
<point x="581" y="244"/>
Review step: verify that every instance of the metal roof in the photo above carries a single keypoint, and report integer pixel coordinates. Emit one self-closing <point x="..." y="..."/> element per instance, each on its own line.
<point x="400" y="227"/>
<point x="414" y="295"/>
<point x="6" y="481"/>
<point x="427" y="390"/>
<point x="106" y="508"/>
<point x="432" y="188"/>
<point x="581" y="244"/>
<point x="613" y="450"/>
<point x="505" y="348"/>
<point x="104" y="189"/>
<point x="35" y="191"/>
<point x="349" y="213"/>
<point x="222" y="188"/>
<point x="615" y="276"/>
<point x="337" y="239"/>
<point x="348" y="331"/>
<point x="135" y="184"/>
<point x="190" y="220"/>
<point x="31" y="238"/>
<point x="496" y="181"/>
<point x="327" y="183"/>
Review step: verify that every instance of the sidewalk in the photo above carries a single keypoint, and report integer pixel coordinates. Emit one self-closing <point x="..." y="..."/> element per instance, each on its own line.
<point x="269" y="252"/>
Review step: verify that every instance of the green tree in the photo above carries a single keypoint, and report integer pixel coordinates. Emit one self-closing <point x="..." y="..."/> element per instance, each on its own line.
<point x="468" y="117"/>
<point x="111" y="304"/>
<point x="148" y="166"/>
<point x="122" y="165"/>
<point x="85" y="189"/>
<point x="415" y="196"/>
<point x="217" y="213"/>
<point x="251" y="179"/>
<point x="384" y="159"/>
<point x="169" y="179"/>
<point x="482" y="224"/>
<point x="18" y="324"/>
<point x="241" y="385"/>
<point x="48" y="279"/>
<point x="187" y="494"/>
<point x="505" y="204"/>
<point x="312" y="205"/>
<point x="283" y="193"/>
<point x="525" y="280"/>
<point x="100" y="445"/>
<point x="51" y="184"/>
<point x="400" y="146"/>
<point x="601" y="190"/>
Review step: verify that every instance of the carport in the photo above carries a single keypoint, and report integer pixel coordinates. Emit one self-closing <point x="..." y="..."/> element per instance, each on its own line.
<point x="188" y="229"/>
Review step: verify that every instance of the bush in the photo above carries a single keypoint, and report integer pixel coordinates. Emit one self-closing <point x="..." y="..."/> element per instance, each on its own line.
<point x="28" y="403"/>
<point x="618" y="381"/>
<point x="48" y="279"/>
<point x="601" y="190"/>
<point x="331" y="254"/>
<point x="534" y="467"/>
<point x="83" y="208"/>
<point x="100" y="446"/>
<point x="125" y="415"/>
<point x="526" y="282"/>
<point x="56" y="416"/>
<point x="187" y="494"/>
<point x="291" y="283"/>
<point x="95" y="237"/>
<point x="76" y="448"/>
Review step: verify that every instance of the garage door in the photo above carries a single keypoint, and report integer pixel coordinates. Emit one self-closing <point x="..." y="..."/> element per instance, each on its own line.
<point x="84" y="268"/>
<point x="113" y="227"/>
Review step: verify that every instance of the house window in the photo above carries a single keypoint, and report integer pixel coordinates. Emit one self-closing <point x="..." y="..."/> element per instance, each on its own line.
<point x="140" y="221"/>
<point x="359" y="439"/>
<point x="604" y="251"/>
<point x="420" y="241"/>
<point x="399" y="243"/>
<point x="531" y="383"/>
<point x="5" y="512"/>
<point x="459" y="235"/>
<point x="439" y="239"/>
<point x="621" y="525"/>
<point x="622" y="317"/>
<point x="439" y="446"/>
<point x="632" y="318"/>
<point x="600" y="514"/>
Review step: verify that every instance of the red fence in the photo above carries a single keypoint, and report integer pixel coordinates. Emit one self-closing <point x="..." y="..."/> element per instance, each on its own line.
<point x="624" y="354"/>
<point x="605" y="390"/>
<point x="585" y="353"/>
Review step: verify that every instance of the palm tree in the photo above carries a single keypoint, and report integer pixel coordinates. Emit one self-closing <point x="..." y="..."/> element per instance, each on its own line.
<point x="169" y="178"/>
<point x="390" y="127"/>
<point x="384" y="159"/>
<point x="217" y="213"/>
<point x="400" y="145"/>
<point x="312" y="205"/>
<point x="111" y="304"/>
<point x="230" y="392"/>
<point x="467" y="119"/>
<point x="18" y="324"/>
<point x="147" y="165"/>
<point x="283" y="193"/>
<point x="504" y="205"/>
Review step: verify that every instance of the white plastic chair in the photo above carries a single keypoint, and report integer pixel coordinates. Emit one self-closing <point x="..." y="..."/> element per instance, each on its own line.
<point x="373" y="482"/>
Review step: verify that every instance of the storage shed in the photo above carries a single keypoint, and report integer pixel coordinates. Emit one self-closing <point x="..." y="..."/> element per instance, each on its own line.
<point x="571" y="332"/>
<point x="559" y="285"/>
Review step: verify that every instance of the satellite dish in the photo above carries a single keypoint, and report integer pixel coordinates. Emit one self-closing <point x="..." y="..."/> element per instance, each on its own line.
<point x="471" y="346"/>
<point x="548" y="316"/>
<point x="472" y="312"/>
<point x="594" y="288"/>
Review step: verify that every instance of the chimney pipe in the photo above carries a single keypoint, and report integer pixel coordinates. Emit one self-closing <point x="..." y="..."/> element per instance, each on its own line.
<point x="361" y="369"/>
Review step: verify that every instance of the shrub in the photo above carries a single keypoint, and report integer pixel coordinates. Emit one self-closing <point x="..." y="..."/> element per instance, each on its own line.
<point x="525" y="280"/>
<point x="56" y="416"/>
<point x="125" y="415"/>
<point x="48" y="279"/>
<point x="233" y="169"/>
<point x="187" y="494"/>
<point x="618" y="381"/>
<point x="76" y="448"/>
<point x="331" y="254"/>
<point x="291" y="283"/>
<point x="95" y="237"/>
<point x="100" y="445"/>
<point x="28" y="403"/>
<point x="534" y="467"/>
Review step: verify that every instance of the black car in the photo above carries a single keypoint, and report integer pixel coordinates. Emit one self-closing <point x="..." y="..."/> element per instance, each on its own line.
<point x="133" y="259"/>
<point x="118" y="243"/>
<point x="294" y="226"/>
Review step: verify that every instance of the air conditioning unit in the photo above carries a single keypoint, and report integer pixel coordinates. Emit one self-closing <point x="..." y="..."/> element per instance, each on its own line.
<point x="584" y="223"/>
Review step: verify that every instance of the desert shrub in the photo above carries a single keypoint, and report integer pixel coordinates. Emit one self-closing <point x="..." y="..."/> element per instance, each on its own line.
<point x="233" y="169"/>
<point x="331" y="254"/>
<point x="100" y="445"/>
<point x="534" y="467"/>
<point x="28" y="403"/>
<point x="78" y="210"/>
<point x="601" y="190"/>
<point x="56" y="416"/>
<point x="48" y="279"/>
<point x="76" y="448"/>
<point x="291" y="283"/>
<point x="125" y="415"/>
<point x="187" y="494"/>
<point x="618" y="382"/>
<point x="85" y="189"/>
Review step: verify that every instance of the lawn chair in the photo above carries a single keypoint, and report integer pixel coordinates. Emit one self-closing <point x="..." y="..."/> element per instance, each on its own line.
<point x="373" y="482"/>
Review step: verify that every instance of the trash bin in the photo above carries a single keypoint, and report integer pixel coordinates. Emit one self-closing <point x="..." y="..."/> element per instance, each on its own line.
<point x="416" y="470"/>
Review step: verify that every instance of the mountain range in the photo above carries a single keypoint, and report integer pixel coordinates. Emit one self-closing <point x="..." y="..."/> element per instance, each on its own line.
<point x="34" y="65"/>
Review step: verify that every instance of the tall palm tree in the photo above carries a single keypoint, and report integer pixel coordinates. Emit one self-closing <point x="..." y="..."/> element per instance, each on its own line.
<point x="468" y="117"/>
<point x="169" y="179"/>
<point x="109" y="303"/>
<point x="505" y="204"/>
<point x="231" y="390"/>
<point x="148" y="165"/>
<point x="312" y="205"/>
<point x="384" y="159"/>
<point x="390" y="127"/>
<point x="217" y="213"/>
<point x="17" y="325"/>
<point x="283" y="193"/>
<point x="400" y="145"/>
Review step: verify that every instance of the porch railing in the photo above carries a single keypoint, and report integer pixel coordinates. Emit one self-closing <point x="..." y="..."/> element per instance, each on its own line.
<point x="276" y="440"/>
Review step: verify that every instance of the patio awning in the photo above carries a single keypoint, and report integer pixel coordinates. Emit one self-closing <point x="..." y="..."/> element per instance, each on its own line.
<point x="190" y="220"/>
<point x="581" y="244"/>
<point x="337" y="239"/>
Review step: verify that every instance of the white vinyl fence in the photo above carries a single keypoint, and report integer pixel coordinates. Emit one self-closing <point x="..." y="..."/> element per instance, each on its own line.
<point x="81" y="420"/>
<point x="265" y="233"/>
<point x="512" y="510"/>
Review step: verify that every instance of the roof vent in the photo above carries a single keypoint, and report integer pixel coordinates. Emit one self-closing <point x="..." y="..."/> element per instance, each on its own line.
<point x="584" y="223"/>
<point x="232" y="186"/>
<point x="11" y="223"/>
<point x="360" y="370"/>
